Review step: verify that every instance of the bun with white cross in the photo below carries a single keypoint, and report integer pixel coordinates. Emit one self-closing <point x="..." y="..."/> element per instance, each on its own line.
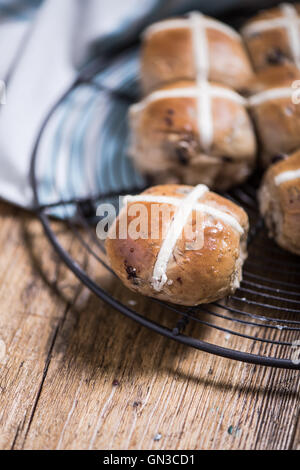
<point x="273" y="40"/>
<point x="279" y="200"/>
<point x="182" y="48"/>
<point x="276" y="115"/>
<point x="272" y="36"/>
<point x="180" y="244"/>
<point x="193" y="132"/>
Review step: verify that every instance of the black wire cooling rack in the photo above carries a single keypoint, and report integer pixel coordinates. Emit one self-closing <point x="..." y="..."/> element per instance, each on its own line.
<point x="259" y="324"/>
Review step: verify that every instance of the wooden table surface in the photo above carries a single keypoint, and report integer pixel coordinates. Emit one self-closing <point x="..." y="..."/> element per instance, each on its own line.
<point x="77" y="375"/>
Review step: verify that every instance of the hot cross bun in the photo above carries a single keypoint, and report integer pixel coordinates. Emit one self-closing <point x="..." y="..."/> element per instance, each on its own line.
<point x="184" y="48"/>
<point x="279" y="200"/>
<point x="195" y="255"/>
<point x="193" y="133"/>
<point x="277" y="120"/>
<point x="272" y="36"/>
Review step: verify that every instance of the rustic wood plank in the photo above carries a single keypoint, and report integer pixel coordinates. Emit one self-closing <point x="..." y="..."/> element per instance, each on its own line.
<point x="77" y="375"/>
<point x="29" y="317"/>
<point x="295" y="442"/>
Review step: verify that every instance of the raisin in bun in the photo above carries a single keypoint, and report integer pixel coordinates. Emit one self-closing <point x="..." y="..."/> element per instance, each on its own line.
<point x="279" y="200"/>
<point x="172" y="265"/>
<point x="189" y="133"/>
<point x="272" y="36"/>
<point x="276" y="116"/>
<point x="184" y="48"/>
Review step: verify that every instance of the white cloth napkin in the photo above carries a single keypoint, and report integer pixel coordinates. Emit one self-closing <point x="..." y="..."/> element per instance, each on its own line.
<point x="43" y="46"/>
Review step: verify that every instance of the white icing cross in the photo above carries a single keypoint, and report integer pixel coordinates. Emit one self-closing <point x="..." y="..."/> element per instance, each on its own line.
<point x="189" y="92"/>
<point x="286" y="176"/>
<point x="159" y="277"/>
<point x="201" y="61"/>
<point x="267" y="95"/>
<point x="203" y="92"/>
<point x="184" y="208"/>
<point x="200" y="45"/>
<point x="289" y="20"/>
<point x="184" y="23"/>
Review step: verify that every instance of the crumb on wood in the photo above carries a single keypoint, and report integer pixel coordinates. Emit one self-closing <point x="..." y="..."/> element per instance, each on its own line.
<point x="233" y="430"/>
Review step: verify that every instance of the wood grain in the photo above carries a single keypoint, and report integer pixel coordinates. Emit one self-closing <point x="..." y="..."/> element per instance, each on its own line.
<point x="74" y="374"/>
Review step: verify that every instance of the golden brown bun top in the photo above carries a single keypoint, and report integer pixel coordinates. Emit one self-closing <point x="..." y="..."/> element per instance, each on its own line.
<point x="289" y="163"/>
<point x="180" y="191"/>
<point x="168" y="53"/>
<point x="270" y="14"/>
<point x="268" y="38"/>
<point x="275" y="76"/>
<point x="288" y="191"/>
<point x="181" y="116"/>
<point x="215" y="32"/>
<point x="165" y="119"/>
